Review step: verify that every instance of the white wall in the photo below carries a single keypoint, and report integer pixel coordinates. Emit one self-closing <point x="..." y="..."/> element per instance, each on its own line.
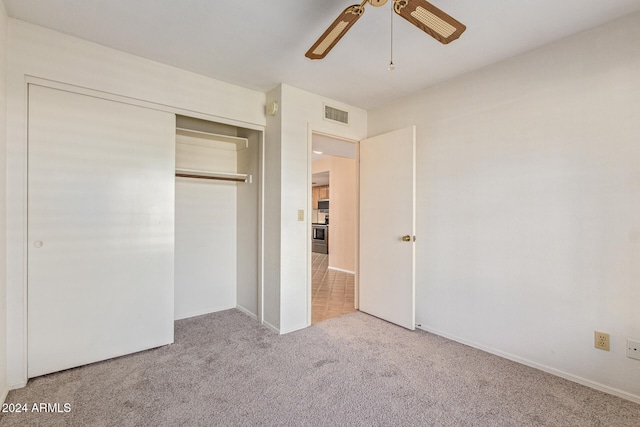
<point x="287" y="148"/>
<point x="45" y="54"/>
<point x="249" y="252"/>
<point x="272" y="223"/>
<point x="206" y="225"/>
<point x="3" y="203"/>
<point x="529" y="205"/>
<point x="205" y="229"/>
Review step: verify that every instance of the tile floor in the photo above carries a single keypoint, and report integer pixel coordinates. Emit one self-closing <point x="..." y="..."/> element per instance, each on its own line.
<point x="333" y="291"/>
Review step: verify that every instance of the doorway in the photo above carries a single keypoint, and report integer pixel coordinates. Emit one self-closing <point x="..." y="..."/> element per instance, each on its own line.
<point x="334" y="225"/>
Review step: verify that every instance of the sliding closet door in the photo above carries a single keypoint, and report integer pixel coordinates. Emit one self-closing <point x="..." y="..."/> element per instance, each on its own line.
<point x="100" y="229"/>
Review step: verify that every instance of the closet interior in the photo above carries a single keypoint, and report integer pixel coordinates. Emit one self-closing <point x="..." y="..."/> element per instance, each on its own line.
<point x="217" y="200"/>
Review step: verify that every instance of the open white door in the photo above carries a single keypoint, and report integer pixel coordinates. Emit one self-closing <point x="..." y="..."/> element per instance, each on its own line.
<point x="100" y="229"/>
<point x="387" y="226"/>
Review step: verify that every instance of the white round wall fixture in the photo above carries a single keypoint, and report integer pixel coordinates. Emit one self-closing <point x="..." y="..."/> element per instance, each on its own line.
<point x="272" y="108"/>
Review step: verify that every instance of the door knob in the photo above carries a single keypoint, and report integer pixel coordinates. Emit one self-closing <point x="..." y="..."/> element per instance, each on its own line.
<point x="38" y="243"/>
<point x="406" y="238"/>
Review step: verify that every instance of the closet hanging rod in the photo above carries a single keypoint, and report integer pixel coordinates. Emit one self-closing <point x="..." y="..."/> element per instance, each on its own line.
<point x="222" y="176"/>
<point x="179" y="175"/>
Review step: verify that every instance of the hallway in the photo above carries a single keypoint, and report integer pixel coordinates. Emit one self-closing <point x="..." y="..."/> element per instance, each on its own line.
<point x="332" y="291"/>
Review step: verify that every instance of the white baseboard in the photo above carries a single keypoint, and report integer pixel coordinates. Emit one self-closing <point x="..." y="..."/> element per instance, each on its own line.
<point x="341" y="269"/>
<point x="576" y="379"/>
<point x="247" y="312"/>
<point x="295" y="328"/>
<point x="202" y="312"/>
<point x="270" y="326"/>
<point x="279" y="331"/>
<point x="18" y="385"/>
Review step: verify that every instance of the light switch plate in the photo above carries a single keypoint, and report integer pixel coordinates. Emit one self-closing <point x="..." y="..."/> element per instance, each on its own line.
<point x="300" y="214"/>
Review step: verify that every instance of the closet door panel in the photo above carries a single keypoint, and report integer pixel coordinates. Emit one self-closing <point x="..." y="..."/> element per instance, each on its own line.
<point x="100" y="229"/>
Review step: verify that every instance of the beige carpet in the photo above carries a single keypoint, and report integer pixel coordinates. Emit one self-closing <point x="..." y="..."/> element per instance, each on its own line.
<point x="225" y="369"/>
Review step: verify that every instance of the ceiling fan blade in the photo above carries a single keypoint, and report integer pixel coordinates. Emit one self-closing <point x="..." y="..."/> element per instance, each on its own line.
<point x="336" y="30"/>
<point x="430" y="19"/>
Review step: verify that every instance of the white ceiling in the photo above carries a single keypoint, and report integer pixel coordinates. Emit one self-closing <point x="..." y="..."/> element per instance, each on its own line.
<point x="325" y="146"/>
<point x="259" y="44"/>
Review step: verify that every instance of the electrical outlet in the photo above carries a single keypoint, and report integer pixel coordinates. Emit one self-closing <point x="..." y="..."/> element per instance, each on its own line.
<point x="601" y="340"/>
<point x="633" y="349"/>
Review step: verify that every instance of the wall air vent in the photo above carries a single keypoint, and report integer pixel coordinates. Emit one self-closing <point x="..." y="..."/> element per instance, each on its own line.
<point x="335" y="115"/>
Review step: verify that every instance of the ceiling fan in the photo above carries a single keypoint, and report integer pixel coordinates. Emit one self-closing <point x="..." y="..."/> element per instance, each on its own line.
<point x="420" y="13"/>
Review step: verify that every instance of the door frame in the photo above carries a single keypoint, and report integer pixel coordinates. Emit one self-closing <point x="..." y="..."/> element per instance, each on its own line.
<point x="311" y="130"/>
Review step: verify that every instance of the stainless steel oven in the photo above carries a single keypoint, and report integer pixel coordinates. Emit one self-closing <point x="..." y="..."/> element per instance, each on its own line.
<point x="320" y="238"/>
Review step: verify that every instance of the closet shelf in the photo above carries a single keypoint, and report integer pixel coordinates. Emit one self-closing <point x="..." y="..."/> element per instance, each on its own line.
<point x="223" y="176"/>
<point x="212" y="139"/>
